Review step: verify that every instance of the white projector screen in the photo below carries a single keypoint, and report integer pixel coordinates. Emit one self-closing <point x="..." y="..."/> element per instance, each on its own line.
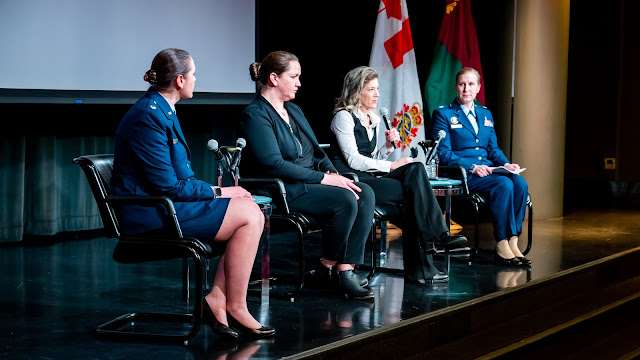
<point x="98" y="51"/>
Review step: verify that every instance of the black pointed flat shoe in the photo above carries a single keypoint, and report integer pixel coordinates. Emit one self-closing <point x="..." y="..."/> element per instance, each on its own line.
<point x="524" y="260"/>
<point x="216" y="326"/>
<point x="262" y="332"/>
<point x="499" y="260"/>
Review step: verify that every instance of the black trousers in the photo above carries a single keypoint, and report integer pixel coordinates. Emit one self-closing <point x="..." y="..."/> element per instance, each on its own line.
<point x="346" y="221"/>
<point x="423" y="220"/>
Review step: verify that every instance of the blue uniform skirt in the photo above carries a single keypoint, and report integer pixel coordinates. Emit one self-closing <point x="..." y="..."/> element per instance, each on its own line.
<point x="207" y="225"/>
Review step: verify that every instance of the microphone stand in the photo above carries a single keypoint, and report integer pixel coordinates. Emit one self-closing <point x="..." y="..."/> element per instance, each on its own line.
<point x="432" y="151"/>
<point x="220" y="172"/>
<point x="235" y="176"/>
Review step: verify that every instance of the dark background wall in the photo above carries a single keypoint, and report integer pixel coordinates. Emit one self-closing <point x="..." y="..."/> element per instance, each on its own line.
<point x="332" y="37"/>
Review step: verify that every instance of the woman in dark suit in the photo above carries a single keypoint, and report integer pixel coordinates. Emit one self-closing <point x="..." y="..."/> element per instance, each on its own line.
<point x="151" y="157"/>
<point x="471" y="143"/>
<point x="401" y="182"/>
<point x="286" y="147"/>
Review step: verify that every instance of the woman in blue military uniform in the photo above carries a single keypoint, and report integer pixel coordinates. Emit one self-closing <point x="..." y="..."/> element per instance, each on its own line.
<point x="151" y="157"/>
<point x="471" y="142"/>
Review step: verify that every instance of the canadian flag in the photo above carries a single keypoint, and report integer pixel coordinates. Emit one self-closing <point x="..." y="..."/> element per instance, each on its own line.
<point x="394" y="59"/>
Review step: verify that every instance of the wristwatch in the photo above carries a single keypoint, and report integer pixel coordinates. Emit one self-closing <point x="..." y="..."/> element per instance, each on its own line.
<point x="217" y="191"/>
<point x="471" y="168"/>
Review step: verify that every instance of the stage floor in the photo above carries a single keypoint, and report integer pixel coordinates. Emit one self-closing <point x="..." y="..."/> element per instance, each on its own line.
<point x="56" y="291"/>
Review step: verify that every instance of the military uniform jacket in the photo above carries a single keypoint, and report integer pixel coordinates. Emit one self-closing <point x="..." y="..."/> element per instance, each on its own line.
<point x="462" y="146"/>
<point x="151" y="157"/>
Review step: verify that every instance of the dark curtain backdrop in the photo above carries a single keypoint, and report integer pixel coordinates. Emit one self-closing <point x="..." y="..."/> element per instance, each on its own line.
<point x="43" y="192"/>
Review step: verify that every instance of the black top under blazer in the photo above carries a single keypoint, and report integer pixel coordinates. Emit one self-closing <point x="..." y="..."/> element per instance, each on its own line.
<point x="272" y="149"/>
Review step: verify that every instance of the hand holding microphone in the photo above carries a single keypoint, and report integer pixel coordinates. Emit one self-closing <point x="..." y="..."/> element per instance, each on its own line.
<point x="391" y="132"/>
<point x="392" y="137"/>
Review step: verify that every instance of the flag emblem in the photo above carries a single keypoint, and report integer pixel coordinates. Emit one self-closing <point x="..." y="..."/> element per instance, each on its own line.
<point x="451" y="4"/>
<point x="407" y="122"/>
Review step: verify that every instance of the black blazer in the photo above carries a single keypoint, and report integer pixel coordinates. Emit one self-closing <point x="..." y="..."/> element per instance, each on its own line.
<point x="271" y="149"/>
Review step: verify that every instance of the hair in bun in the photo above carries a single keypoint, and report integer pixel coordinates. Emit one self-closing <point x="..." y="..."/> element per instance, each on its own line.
<point x="254" y="71"/>
<point x="276" y="62"/>
<point x="151" y="77"/>
<point x="166" y="66"/>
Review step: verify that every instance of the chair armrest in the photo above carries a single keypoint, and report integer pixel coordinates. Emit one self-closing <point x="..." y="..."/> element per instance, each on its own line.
<point x="115" y="200"/>
<point x="260" y="183"/>
<point x="459" y="172"/>
<point x="273" y="186"/>
<point x="351" y="175"/>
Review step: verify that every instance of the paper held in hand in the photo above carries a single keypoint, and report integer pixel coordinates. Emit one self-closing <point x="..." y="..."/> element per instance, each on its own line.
<point x="504" y="170"/>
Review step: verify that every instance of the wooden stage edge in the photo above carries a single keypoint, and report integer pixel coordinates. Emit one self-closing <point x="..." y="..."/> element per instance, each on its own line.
<point x="600" y="283"/>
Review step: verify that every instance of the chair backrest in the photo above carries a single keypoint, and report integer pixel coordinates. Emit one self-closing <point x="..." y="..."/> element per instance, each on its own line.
<point x="98" y="170"/>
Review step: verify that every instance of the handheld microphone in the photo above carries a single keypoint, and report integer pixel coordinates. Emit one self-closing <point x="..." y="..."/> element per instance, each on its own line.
<point x="441" y="135"/>
<point x="235" y="161"/>
<point x="384" y="112"/>
<point x="213" y="146"/>
<point x="220" y="159"/>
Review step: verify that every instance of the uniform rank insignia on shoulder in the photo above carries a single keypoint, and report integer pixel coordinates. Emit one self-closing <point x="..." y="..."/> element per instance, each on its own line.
<point x="487" y="122"/>
<point x="152" y="106"/>
<point x="454" y="120"/>
<point x="440" y="107"/>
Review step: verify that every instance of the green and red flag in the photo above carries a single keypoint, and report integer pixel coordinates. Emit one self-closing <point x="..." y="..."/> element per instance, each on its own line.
<point x="457" y="47"/>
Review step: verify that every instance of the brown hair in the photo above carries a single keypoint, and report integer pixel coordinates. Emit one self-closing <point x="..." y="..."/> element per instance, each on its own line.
<point x="166" y="66"/>
<point x="276" y="62"/>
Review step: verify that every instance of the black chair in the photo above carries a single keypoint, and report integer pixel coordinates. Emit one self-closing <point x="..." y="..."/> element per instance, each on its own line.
<point x="282" y="216"/>
<point x="148" y="248"/>
<point x="477" y="202"/>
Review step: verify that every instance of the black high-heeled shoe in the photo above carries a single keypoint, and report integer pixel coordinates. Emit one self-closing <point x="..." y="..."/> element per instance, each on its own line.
<point x="216" y="326"/>
<point x="262" y="332"/>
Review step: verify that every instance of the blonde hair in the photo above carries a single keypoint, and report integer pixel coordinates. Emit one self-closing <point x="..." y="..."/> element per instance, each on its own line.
<point x="354" y="82"/>
<point x="465" y="70"/>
